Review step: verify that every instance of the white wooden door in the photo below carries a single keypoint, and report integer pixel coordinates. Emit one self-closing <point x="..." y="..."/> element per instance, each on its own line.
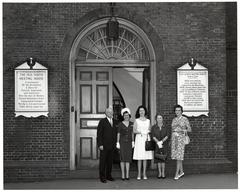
<point x="93" y="96"/>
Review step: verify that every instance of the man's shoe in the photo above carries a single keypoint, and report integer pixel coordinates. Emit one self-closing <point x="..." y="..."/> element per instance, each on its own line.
<point x="110" y="179"/>
<point x="103" y="180"/>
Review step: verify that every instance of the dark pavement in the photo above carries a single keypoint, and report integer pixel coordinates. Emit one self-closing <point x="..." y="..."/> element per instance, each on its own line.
<point x="196" y="181"/>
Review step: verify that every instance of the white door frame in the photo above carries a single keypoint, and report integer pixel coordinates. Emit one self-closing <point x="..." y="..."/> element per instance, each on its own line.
<point x="72" y="66"/>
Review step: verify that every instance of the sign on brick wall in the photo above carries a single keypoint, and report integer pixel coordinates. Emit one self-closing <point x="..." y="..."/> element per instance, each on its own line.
<point x="31" y="89"/>
<point x="192" y="89"/>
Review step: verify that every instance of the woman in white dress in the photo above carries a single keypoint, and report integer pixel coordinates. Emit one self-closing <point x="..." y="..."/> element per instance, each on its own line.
<point x="141" y="128"/>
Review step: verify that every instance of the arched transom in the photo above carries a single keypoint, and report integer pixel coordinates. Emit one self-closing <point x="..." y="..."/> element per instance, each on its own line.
<point x="95" y="46"/>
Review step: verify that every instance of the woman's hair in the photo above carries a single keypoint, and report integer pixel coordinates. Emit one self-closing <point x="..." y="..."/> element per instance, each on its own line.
<point x="121" y="118"/>
<point x="178" y="106"/>
<point x="137" y="112"/>
<point x="127" y="113"/>
<point x="158" y="114"/>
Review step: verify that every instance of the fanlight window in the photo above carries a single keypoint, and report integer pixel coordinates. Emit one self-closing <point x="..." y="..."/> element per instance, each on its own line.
<point x="95" y="46"/>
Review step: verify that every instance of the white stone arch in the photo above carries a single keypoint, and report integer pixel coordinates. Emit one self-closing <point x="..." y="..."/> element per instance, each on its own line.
<point x="72" y="64"/>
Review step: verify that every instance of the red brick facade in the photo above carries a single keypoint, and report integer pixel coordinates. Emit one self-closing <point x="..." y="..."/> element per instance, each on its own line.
<point x="38" y="148"/>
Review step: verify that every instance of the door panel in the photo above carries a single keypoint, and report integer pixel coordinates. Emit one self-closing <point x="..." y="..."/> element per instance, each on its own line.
<point x="86" y="99"/>
<point x="102" y="98"/>
<point x="94" y="95"/>
<point x="86" y="152"/>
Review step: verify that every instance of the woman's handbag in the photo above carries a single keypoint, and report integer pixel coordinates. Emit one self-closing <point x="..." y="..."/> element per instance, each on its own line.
<point x="160" y="155"/>
<point x="149" y="144"/>
<point x="186" y="139"/>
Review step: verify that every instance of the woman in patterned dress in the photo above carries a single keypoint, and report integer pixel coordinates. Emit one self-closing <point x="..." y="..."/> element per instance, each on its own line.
<point x="125" y="142"/>
<point x="142" y="129"/>
<point x="180" y="125"/>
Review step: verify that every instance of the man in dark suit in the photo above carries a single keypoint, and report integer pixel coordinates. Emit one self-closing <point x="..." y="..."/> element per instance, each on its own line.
<point x="106" y="141"/>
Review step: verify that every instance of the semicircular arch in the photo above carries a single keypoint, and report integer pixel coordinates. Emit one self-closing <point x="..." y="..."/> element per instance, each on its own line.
<point x="91" y="44"/>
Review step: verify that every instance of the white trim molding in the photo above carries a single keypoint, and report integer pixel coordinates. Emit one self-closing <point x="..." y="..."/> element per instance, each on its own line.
<point x="73" y="62"/>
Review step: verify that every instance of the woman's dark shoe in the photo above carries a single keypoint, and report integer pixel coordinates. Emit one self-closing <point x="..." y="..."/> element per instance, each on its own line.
<point x="103" y="180"/>
<point x="123" y="179"/>
<point x="164" y="177"/>
<point x="127" y="178"/>
<point x="110" y="179"/>
<point x="159" y="177"/>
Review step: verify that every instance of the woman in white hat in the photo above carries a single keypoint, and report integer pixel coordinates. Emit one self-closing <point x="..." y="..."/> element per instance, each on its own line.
<point x="125" y="142"/>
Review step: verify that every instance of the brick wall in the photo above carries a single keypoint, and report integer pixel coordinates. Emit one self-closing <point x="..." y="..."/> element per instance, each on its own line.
<point x="38" y="31"/>
<point x="231" y="54"/>
<point x="192" y="30"/>
<point x="178" y="31"/>
<point x="231" y="131"/>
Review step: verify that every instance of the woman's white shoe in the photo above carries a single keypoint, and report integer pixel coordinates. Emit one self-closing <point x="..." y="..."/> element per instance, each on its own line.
<point x="181" y="175"/>
<point x="176" y="177"/>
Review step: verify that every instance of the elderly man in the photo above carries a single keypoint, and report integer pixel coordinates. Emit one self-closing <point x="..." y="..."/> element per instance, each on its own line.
<point x="106" y="141"/>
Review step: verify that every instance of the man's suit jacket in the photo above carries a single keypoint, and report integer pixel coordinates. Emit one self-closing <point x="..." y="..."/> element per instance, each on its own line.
<point x="107" y="134"/>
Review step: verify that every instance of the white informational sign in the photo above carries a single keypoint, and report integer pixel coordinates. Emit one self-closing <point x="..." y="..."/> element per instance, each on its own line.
<point x="31" y="90"/>
<point x="192" y="89"/>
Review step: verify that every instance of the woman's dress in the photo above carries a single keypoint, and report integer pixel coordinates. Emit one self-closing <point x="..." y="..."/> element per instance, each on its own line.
<point x="125" y="141"/>
<point x="139" y="150"/>
<point x="160" y="135"/>
<point x="179" y="126"/>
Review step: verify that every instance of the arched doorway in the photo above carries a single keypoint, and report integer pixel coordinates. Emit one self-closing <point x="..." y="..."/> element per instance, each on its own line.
<point x="96" y="65"/>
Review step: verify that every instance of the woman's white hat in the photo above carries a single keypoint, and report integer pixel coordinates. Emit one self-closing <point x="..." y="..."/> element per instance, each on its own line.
<point x="125" y="110"/>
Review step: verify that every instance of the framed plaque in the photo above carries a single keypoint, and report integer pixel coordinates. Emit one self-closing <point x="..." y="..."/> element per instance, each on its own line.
<point x="192" y="89"/>
<point x="31" y="90"/>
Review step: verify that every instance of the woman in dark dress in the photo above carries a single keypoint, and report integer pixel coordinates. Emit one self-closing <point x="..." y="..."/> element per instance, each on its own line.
<point x="125" y="142"/>
<point x="160" y="136"/>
